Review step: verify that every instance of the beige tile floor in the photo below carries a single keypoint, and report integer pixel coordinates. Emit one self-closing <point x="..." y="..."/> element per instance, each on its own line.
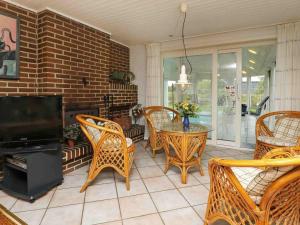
<point x="155" y="198"/>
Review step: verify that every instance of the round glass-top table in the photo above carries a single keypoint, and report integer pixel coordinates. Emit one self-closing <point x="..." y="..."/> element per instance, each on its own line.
<point x="178" y="127"/>
<point x="188" y="145"/>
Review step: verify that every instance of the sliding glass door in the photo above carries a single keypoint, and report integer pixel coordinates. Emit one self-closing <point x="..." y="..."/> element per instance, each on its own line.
<point x="258" y="67"/>
<point x="232" y="88"/>
<point x="228" y="99"/>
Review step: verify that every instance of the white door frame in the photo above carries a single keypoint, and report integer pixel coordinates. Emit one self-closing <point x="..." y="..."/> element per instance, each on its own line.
<point x="237" y="121"/>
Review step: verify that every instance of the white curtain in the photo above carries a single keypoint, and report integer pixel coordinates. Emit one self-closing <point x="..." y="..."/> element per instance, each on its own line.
<point x="287" y="77"/>
<point x="153" y="76"/>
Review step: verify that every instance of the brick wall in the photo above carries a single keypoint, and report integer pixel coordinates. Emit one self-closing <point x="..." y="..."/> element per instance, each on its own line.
<point x="27" y="84"/>
<point x="68" y="53"/>
<point x="119" y="57"/>
<point x="124" y="94"/>
<point x="57" y="53"/>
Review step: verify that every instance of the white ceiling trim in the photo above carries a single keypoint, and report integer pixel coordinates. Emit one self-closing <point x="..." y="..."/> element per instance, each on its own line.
<point x="119" y="42"/>
<point x="65" y="15"/>
<point x="224" y="38"/>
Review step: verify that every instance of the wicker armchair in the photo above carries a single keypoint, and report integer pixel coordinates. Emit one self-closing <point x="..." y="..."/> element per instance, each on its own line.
<point x="155" y="115"/>
<point x="285" y="134"/>
<point x="279" y="203"/>
<point x="110" y="147"/>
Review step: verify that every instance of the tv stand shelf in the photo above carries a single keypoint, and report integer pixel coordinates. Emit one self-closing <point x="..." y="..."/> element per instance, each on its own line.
<point x="43" y="172"/>
<point x="15" y="167"/>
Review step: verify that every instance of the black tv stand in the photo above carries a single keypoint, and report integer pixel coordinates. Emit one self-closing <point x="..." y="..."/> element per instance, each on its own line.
<point x="32" y="174"/>
<point x="11" y="149"/>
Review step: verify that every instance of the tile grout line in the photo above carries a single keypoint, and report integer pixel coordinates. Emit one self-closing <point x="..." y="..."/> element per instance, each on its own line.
<point x="114" y="177"/>
<point x="13" y="204"/>
<point x="177" y="188"/>
<point x="150" y="194"/>
<point x="83" y="206"/>
<point x="48" y="206"/>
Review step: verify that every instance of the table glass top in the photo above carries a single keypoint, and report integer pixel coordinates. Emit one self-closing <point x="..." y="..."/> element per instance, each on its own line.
<point x="178" y="127"/>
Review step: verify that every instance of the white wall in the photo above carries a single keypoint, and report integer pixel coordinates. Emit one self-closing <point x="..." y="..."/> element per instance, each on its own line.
<point x="221" y="39"/>
<point x="138" y="67"/>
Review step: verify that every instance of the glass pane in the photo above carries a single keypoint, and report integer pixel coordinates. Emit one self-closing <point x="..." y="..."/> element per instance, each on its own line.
<point x="226" y="110"/>
<point x="258" y="65"/>
<point x="200" y="90"/>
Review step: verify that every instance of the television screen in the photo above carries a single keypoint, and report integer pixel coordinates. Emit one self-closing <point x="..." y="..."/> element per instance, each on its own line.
<point x="26" y="120"/>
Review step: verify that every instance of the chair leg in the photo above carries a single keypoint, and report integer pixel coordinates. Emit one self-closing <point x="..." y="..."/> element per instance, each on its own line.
<point x="147" y="144"/>
<point x="153" y="153"/>
<point x="85" y="185"/>
<point x="91" y="176"/>
<point x="127" y="183"/>
<point x="167" y="166"/>
<point x="183" y="175"/>
<point x="200" y="169"/>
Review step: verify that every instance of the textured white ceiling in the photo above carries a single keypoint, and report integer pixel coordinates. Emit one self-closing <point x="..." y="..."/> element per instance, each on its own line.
<point x="144" y="21"/>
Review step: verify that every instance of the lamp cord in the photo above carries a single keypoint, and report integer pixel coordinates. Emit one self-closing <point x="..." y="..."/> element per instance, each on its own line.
<point x="183" y="42"/>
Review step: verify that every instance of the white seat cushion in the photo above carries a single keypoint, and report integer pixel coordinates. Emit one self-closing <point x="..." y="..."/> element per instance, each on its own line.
<point x="257" y="187"/>
<point x="94" y="132"/>
<point x="117" y="142"/>
<point x="255" y="181"/>
<point x="287" y="129"/>
<point x="245" y="175"/>
<point x="276" y="141"/>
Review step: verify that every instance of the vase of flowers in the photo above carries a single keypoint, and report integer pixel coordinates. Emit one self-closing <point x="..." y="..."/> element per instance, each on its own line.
<point x="187" y="110"/>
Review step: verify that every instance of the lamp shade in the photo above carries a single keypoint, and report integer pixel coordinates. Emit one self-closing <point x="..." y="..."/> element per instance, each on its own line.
<point x="183" y="76"/>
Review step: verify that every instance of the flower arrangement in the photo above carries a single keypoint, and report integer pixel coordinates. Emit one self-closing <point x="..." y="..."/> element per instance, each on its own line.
<point x="72" y="132"/>
<point x="187" y="109"/>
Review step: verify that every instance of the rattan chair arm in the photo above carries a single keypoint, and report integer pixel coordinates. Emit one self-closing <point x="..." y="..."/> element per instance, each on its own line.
<point x="131" y="148"/>
<point x="298" y="142"/>
<point x="234" y="181"/>
<point x="261" y="128"/>
<point x="177" y="118"/>
<point x="256" y="163"/>
<point x="284" y="152"/>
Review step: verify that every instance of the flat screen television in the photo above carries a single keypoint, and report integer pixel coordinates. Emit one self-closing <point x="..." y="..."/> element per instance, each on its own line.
<point x="30" y="120"/>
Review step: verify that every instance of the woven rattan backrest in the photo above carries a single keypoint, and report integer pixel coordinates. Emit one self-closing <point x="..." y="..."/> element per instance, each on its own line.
<point x="150" y="110"/>
<point x="111" y="133"/>
<point x="278" y="115"/>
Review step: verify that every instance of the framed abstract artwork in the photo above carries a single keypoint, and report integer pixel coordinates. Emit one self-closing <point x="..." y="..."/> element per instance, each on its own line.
<point x="9" y="46"/>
